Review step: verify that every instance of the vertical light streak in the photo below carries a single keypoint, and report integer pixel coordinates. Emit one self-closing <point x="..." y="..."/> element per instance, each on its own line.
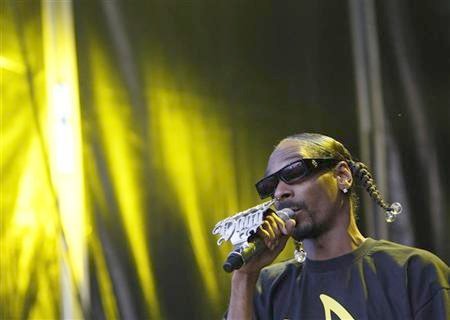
<point x="105" y="285"/>
<point x="29" y="258"/>
<point x="194" y="150"/>
<point x="119" y="141"/>
<point x="176" y="141"/>
<point x="124" y="168"/>
<point x="64" y="148"/>
<point x="29" y="246"/>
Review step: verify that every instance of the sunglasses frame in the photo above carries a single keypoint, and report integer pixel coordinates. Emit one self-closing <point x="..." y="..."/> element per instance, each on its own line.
<point x="311" y="164"/>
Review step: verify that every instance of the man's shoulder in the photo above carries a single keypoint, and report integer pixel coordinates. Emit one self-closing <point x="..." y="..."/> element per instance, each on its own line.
<point x="405" y="256"/>
<point x="424" y="274"/>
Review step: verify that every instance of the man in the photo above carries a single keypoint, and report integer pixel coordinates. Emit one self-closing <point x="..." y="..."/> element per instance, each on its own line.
<point x="345" y="275"/>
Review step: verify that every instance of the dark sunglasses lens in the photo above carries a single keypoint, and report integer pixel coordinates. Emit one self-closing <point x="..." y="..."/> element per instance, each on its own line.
<point x="294" y="171"/>
<point x="267" y="186"/>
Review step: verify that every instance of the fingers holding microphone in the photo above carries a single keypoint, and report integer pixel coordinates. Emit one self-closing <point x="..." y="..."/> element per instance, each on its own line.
<point x="275" y="231"/>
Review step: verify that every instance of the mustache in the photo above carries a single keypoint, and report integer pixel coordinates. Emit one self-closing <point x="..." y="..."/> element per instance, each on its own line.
<point x="297" y="205"/>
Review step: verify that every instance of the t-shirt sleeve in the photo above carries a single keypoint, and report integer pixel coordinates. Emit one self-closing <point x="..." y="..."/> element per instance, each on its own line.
<point x="428" y="287"/>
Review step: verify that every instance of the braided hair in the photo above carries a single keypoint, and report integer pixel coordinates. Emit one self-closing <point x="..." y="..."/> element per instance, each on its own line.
<point x="314" y="145"/>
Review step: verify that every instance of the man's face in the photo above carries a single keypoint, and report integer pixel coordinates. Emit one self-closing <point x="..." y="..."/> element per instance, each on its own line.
<point x="314" y="199"/>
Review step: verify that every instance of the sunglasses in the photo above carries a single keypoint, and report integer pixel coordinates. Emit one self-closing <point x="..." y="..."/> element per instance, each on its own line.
<point x="292" y="173"/>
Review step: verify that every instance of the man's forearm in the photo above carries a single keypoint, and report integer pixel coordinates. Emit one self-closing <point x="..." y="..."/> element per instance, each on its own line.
<point x="241" y="300"/>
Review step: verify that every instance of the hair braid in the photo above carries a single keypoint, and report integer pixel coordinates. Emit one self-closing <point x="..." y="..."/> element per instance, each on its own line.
<point x="365" y="179"/>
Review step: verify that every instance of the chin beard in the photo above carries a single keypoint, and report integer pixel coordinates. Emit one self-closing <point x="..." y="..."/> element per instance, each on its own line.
<point x="308" y="230"/>
<point x="304" y="232"/>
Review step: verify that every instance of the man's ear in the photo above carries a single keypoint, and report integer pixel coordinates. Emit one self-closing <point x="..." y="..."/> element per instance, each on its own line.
<point x="343" y="175"/>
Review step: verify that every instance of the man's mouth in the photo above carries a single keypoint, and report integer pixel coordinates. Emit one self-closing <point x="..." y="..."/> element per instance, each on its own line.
<point x="300" y="214"/>
<point x="296" y="207"/>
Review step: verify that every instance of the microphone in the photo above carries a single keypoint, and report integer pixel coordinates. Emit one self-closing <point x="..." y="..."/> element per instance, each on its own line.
<point x="237" y="258"/>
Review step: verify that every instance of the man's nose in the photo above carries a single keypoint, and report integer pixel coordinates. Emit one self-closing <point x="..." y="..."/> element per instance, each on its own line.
<point x="283" y="191"/>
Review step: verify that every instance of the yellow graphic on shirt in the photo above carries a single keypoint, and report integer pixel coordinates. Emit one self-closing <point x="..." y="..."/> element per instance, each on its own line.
<point x="329" y="304"/>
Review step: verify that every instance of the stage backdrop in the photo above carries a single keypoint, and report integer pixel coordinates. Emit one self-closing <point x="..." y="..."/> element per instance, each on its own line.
<point x="179" y="105"/>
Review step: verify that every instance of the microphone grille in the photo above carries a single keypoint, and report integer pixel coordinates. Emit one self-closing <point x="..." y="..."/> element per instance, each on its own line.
<point x="286" y="213"/>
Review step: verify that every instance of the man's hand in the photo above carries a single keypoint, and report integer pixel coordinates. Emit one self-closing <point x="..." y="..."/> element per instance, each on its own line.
<point x="275" y="233"/>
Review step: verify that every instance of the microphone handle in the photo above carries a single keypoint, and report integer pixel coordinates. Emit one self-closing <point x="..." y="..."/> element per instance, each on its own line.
<point x="237" y="258"/>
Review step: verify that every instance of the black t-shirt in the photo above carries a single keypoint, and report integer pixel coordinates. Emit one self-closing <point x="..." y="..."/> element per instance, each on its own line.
<point x="379" y="280"/>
